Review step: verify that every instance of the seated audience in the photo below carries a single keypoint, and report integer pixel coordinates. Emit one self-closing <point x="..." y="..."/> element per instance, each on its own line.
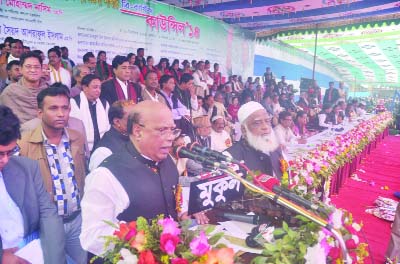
<point x="103" y="69"/>
<point x="200" y="110"/>
<point x="325" y="118"/>
<point x="78" y="72"/>
<point x="300" y="124"/>
<point x="57" y="72"/>
<point x="233" y="109"/>
<point x="284" y="132"/>
<point x="13" y="74"/>
<point x="21" y="96"/>
<point x="220" y="139"/>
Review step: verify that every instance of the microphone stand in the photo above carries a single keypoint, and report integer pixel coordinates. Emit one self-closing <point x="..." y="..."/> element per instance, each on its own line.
<point x="288" y="204"/>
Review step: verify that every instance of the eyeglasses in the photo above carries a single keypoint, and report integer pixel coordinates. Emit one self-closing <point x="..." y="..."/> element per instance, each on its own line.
<point x="166" y="131"/>
<point x="13" y="152"/>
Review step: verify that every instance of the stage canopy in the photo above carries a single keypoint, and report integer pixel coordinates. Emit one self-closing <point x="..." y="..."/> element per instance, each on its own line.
<point x="359" y="38"/>
<point x="259" y="15"/>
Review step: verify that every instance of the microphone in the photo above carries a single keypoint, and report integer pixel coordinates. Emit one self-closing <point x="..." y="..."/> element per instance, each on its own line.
<point x="272" y="184"/>
<point x="196" y="147"/>
<point x="183" y="152"/>
<point x="250" y="219"/>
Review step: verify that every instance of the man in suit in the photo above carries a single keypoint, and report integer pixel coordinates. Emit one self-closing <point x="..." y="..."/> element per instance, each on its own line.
<point x="26" y="209"/>
<point x="331" y="94"/>
<point x="259" y="147"/>
<point x="119" y="87"/>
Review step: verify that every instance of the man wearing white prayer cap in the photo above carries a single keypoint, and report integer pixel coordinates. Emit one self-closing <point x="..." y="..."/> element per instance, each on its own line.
<point x="258" y="147"/>
<point x="220" y="139"/>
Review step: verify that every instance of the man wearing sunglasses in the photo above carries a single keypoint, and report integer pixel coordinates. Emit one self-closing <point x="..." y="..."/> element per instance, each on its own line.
<point x="138" y="180"/>
<point x="26" y="210"/>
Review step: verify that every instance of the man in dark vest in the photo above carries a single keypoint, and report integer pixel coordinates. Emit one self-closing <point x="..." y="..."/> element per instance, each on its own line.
<point x="139" y="180"/>
<point x="258" y="147"/>
<point x="115" y="138"/>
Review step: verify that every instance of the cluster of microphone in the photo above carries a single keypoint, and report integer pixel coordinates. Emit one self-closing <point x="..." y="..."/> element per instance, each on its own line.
<point x="204" y="155"/>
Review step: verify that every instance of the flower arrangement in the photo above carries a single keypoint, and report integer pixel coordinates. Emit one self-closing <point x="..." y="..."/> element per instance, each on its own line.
<point x="309" y="171"/>
<point x="309" y="244"/>
<point x="163" y="241"/>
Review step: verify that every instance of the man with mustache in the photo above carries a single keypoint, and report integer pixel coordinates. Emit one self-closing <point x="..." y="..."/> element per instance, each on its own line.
<point x="138" y="180"/>
<point x="259" y="147"/>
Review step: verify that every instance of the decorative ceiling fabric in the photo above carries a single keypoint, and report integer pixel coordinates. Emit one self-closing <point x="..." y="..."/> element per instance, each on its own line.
<point x="364" y="52"/>
<point x="258" y="15"/>
<point x="368" y="53"/>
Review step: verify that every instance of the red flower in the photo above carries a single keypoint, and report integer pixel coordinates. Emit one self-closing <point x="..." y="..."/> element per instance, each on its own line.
<point x="334" y="253"/>
<point x="168" y="243"/>
<point x="147" y="257"/>
<point x="351" y="244"/>
<point x="126" y="231"/>
<point x="179" y="261"/>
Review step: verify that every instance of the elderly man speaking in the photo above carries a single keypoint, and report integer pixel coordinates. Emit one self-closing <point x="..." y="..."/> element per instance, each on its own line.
<point x="138" y="180"/>
<point x="258" y="147"/>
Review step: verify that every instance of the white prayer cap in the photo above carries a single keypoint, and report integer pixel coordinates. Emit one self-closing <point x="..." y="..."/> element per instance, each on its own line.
<point x="216" y="118"/>
<point x="247" y="109"/>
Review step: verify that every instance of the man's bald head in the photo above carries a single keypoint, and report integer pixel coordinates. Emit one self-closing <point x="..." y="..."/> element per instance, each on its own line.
<point x="150" y="128"/>
<point x="146" y="110"/>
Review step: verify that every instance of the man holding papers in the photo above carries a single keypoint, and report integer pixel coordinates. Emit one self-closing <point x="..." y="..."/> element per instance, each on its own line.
<point x="26" y="210"/>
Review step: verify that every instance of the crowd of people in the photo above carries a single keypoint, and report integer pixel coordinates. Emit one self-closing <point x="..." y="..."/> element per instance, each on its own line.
<point x="102" y="136"/>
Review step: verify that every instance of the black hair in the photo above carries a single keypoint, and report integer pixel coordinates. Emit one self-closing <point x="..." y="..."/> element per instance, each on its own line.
<point x="148" y="73"/>
<point x="15" y="41"/>
<point x="99" y="53"/>
<point x="11" y="63"/>
<point x="38" y="52"/>
<point x="300" y="114"/>
<point x="149" y="58"/>
<point x="63" y="48"/>
<point x="8" y="39"/>
<point x="216" y="64"/>
<point x="87" y="79"/>
<point x="118" y="60"/>
<point x="2" y="46"/>
<point x="164" y="79"/>
<point x="130" y="55"/>
<point x="29" y="54"/>
<point x="9" y="126"/>
<point x="326" y="106"/>
<point x="54" y="90"/>
<point x="185" y="78"/>
<point x="88" y="55"/>
<point x="283" y="115"/>
<point x="57" y="51"/>
<point x="116" y="110"/>
<point x="139" y="49"/>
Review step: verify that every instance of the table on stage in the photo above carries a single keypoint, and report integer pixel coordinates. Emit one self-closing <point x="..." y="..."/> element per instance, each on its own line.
<point x="331" y="137"/>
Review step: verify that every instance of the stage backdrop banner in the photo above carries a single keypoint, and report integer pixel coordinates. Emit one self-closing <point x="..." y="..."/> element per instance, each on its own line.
<point x="163" y="30"/>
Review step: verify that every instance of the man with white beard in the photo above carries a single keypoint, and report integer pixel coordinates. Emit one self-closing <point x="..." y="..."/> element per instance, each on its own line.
<point x="258" y="147"/>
